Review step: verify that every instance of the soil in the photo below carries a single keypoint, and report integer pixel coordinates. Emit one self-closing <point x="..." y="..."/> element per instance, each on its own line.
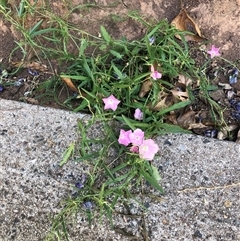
<point x="218" y="21"/>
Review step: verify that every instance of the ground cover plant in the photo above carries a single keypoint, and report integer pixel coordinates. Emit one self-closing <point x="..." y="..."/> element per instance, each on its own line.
<point x="136" y="89"/>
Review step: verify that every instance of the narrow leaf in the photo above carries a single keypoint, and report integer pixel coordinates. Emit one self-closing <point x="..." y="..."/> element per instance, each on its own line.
<point x="67" y="154"/>
<point x="156" y="174"/>
<point x="105" y="34"/>
<point x="152" y="181"/>
<point x="35" y="28"/>
<point x="128" y="122"/>
<point x="175" y="107"/>
<point x="116" y="54"/>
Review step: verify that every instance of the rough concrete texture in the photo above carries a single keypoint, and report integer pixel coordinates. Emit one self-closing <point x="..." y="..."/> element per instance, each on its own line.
<point x="201" y="178"/>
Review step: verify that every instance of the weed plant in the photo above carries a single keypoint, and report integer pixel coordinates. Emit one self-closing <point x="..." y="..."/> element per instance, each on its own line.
<point x="120" y="68"/>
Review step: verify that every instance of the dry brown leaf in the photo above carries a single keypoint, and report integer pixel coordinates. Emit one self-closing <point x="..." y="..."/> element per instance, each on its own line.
<point x="197" y="126"/>
<point x="172" y="118"/>
<point x="238" y="137"/>
<point x="70" y="84"/>
<point x="225" y="86"/>
<point x="145" y="88"/>
<point x="223" y="134"/>
<point x="31" y="100"/>
<point x="160" y="105"/>
<point x="184" y="80"/>
<point x="164" y="101"/>
<point x="179" y="92"/>
<point x="32" y="65"/>
<point x="186" y="119"/>
<point x="180" y="95"/>
<point x="184" y="22"/>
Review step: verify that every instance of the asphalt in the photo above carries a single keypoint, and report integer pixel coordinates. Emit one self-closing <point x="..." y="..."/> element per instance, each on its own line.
<point x="201" y="178"/>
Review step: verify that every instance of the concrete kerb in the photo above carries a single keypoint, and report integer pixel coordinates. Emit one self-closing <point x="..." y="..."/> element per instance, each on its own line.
<point x="200" y="177"/>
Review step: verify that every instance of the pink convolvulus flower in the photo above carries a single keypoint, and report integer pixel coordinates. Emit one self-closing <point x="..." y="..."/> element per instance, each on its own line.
<point x="136" y="137"/>
<point x="138" y="115"/>
<point x="148" y="149"/>
<point x="155" y="74"/>
<point x="214" y="51"/>
<point x="124" y="137"/>
<point x="111" y="103"/>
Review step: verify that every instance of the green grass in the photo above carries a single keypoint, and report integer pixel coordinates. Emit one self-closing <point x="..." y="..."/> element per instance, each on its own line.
<point x="103" y="66"/>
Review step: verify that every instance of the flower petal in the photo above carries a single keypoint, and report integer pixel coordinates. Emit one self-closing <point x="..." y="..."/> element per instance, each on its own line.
<point x="111" y="103"/>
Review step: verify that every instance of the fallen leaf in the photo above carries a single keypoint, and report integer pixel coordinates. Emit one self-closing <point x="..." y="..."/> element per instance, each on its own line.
<point x="32" y="65"/>
<point x="225" y="86"/>
<point x="184" y="80"/>
<point x="172" y="118"/>
<point x="180" y="95"/>
<point x="31" y="100"/>
<point x="184" y="22"/>
<point x="197" y="126"/>
<point x="160" y="105"/>
<point x="165" y="100"/>
<point x="224" y="133"/>
<point x="70" y="84"/>
<point x="145" y="88"/>
<point x="187" y="119"/>
<point x="238" y="137"/>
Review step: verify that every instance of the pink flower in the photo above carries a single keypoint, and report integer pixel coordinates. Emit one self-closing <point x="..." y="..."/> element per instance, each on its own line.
<point x="155" y="74"/>
<point x="111" y="103"/>
<point x="148" y="149"/>
<point x="136" y="137"/>
<point x="138" y="115"/>
<point x="134" y="149"/>
<point x="214" y="51"/>
<point x="124" y="137"/>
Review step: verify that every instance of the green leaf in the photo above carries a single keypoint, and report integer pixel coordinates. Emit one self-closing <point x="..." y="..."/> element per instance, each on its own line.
<point x="75" y="77"/>
<point x="103" y="47"/>
<point x="82" y="106"/>
<point x="88" y="70"/>
<point x="119" y="167"/>
<point x="116" y="54"/>
<point x="174" y="107"/>
<point x="117" y="71"/>
<point x="128" y="122"/>
<point x="84" y="45"/>
<point x="118" y="179"/>
<point x="35" y="28"/>
<point x="43" y="31"/>
<point x="156" y="174"/>
<point x="3" y="3"/>
<point x="152" y="181"/>
<point x="212" y="87"/>
<point x="67" y="154"/>
<point x="105" y="34"/>
<point x="108" y="171"/>
<point x="168" y="128"/>
<point x="21" y="8"/>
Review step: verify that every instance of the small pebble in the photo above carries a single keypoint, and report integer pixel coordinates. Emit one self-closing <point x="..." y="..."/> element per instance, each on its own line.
<point x="233" y="75"/>
<point x="197" y="234"/>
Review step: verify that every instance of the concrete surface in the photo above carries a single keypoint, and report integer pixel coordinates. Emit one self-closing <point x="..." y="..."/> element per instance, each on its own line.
<point x="201" y="178"/>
